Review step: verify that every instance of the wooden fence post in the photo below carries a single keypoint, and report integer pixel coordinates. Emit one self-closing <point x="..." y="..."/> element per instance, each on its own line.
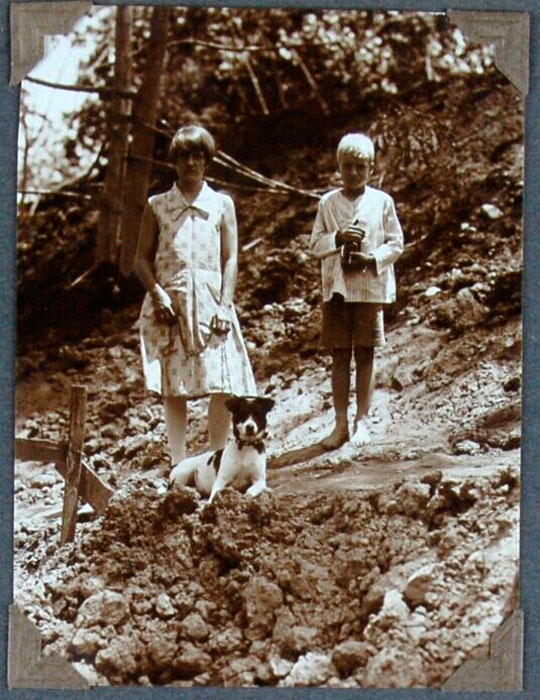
<point x="139" y="165"/>
<point x="77" y="418"/>
<point x="119" y="108"/>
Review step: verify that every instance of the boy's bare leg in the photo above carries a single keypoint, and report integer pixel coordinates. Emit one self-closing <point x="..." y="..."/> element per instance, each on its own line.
<point x="341" y="386"/>
<point x="219" y="421"/>
<point x="363" y="357"/>
<point x="176" y="423"/>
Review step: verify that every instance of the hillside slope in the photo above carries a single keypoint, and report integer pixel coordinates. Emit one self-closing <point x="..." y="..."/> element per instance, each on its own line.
<point x="387" y="566"/>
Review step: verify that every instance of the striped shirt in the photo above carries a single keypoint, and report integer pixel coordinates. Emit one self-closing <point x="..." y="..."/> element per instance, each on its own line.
<point x="375" y="213"/>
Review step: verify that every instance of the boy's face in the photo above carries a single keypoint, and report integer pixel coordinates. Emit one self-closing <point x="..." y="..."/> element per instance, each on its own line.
<point x="355" y="171"/>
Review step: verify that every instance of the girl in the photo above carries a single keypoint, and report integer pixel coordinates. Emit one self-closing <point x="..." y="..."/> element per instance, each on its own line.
<point x="186" y="258"/>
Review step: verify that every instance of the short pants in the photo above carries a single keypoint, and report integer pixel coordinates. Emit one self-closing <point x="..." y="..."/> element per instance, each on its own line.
<point x="346" y="324"/>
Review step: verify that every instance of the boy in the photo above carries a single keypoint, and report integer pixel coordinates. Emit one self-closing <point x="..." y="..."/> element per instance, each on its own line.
<point x="357" y="237"/>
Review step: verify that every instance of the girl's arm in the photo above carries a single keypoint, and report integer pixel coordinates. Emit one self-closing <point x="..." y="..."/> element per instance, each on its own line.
<point x="144" y="264"/>
<point x="229" y="253"/>
<point x="146" y="249"/>
<point x="391" y="249"/>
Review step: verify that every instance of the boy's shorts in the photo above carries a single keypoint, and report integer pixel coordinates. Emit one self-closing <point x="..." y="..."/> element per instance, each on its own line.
<point x="346" y="324"/>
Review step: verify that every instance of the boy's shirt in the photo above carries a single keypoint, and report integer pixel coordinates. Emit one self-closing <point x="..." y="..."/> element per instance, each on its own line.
<point x="376" y="214"/>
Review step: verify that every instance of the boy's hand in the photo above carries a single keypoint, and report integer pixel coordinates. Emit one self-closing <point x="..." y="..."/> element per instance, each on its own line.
<point x="355" y="228"/>
<point x="348" y="236"/>
<point x="352" y="234"/>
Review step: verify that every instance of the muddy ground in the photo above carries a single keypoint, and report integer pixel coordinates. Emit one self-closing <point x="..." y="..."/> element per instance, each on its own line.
<point x="387" y="566"/>
<point x="384" y="567"/>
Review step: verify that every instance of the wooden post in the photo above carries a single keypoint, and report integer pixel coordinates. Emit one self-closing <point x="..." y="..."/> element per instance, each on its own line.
<point x="107" y="243"/>
<point x="142" y="145"/>
<point x="92" y="489"/>
<point x="77" y="418"/>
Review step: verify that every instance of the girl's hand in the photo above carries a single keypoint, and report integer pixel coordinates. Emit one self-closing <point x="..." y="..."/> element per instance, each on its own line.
<point x="222" y="319"/>
<point x="163" y="307"/>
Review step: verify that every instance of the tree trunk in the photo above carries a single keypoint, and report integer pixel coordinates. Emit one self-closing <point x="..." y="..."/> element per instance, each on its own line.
<point x="119" y="111"/>
<point x="142" y="145"/>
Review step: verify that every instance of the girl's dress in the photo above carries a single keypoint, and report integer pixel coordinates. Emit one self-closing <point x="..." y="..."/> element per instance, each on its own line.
<point x="187" y="359"/>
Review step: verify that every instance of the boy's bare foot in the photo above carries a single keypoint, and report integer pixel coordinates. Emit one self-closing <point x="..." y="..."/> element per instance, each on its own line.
<point x="337" y="437"/>
<point x="361" y="434"/>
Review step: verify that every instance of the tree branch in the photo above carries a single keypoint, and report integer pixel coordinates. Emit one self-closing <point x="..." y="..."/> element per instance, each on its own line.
<point x="60" y="193"/>
<point x="222" y="47"/>
<point x="311" y="82"/>
<point x="102" y="91"/>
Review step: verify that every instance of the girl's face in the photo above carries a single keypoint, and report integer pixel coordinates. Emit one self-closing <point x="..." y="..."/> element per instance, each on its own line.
<point x="190" y="166"/>
<point x="355" y="171"/>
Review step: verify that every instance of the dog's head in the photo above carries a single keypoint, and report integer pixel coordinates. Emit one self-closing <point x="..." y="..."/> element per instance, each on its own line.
<point x="249" y="417"/>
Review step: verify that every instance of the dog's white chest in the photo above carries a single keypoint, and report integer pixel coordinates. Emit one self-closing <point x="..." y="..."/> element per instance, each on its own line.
<point x="240" y="466"/>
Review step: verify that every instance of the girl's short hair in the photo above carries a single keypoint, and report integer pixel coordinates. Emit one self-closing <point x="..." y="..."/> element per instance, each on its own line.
<point x="192" y="138"/>
<point x="358" y="145"/>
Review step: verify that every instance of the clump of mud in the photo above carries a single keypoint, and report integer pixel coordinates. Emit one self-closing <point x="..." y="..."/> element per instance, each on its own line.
<point x="392" y="588"/>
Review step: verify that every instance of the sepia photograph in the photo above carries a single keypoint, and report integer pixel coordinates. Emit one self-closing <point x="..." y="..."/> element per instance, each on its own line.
<point x="224" y="475"/>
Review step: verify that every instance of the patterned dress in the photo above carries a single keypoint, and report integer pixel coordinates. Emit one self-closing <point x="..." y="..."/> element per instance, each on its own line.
<point x="187" y="358"/>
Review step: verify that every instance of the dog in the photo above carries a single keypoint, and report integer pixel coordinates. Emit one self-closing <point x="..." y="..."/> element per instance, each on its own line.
<point x="240" y="463"/>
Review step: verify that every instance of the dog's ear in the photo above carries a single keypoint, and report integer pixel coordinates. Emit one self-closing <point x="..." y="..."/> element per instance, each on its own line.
<point x="266" y="404"/>
<point x="232" y="403"/>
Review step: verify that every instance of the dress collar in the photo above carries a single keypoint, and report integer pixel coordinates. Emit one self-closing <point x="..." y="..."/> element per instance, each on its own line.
<point x="201" y="203"/>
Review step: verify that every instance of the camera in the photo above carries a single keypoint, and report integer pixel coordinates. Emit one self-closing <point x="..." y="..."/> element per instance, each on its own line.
<point x="348" y="253"/>
<point x="350" y="249"/>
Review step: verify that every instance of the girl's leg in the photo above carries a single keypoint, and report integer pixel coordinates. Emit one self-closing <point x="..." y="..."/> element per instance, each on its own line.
<point x="219" y="421"/>
<point x="363" y="357"/>
<point x="176" y="423"/>
<point x="341" y="386"/>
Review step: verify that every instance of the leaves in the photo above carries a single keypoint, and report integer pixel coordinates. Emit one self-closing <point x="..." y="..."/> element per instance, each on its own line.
<point x="323" y="60"/>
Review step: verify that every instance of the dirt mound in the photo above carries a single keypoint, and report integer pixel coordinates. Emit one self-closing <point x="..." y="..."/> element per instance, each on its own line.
<point x="327" y="589"/>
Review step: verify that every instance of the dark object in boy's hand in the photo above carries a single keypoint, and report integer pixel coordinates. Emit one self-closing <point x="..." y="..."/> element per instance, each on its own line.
<point x="349" y="250"/>
<point x="355" y="260"/>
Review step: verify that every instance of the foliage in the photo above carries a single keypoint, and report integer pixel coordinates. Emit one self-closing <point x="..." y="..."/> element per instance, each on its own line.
<point x="399" y="76"/>
<point x="325" y="61"/>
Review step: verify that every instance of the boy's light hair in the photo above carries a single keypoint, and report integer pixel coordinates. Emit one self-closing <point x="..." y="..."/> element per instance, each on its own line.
<point x="358" y="145"/>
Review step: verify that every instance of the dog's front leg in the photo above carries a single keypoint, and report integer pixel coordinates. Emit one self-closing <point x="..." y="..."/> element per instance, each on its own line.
<point x="218" y="485"/>
<point x="256" y="488"/>
<point x="228" y="470"/>
<point x="215" y="488"/>
<point x="258" y="477"/>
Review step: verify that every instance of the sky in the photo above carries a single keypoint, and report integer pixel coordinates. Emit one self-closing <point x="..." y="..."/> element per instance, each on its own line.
<point x="60" y="64"/>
